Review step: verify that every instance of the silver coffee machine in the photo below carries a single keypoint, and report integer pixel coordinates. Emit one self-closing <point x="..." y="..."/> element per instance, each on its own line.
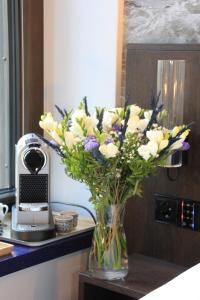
<point x="31" y="217"/>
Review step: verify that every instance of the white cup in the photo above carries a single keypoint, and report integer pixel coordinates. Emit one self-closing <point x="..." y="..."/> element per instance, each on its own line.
<point x="3" y="211"/>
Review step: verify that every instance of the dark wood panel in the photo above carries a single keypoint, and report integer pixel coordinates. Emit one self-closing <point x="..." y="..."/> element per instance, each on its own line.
<point x="144" y="234"/>
<point x="145" y="275"/>
<point x="32" y="51"/>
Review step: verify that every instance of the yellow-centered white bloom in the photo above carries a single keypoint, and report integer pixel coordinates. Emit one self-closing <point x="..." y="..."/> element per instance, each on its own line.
<point x="133" y="124"/>
<point x="109" y="150"/>
<point x="134" y="110"/>
<point x="90" y="123"/>
<point x="70" y="140"/>
<point x="163" y="144"/>
<point x="175" y="131"/>
<point x="148" y="150"/>
<point x="109" y="119"/>
<point x="144" y="152"/>
<point x="185" y="134"/>
<point x="153" y="148"/>
<point x="155" y="135"/>
<point x="78" y="115"/>
<point x="148" y="114"/>
<point x="117" y="110"/>
<point x="77" y="131"/>
<point x="47" y="122"/>
<point x="56" y="138"/>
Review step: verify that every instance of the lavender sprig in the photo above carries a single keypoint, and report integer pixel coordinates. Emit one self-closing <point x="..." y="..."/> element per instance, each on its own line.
<point x="100" y="115"/>
<point x="156" y="110"/>
<point x="124" y="128"/>
<point x="126" y="103"/>
<point x="63" y="113"/>
<point x="52" y="145"/>
<point x="86" y="106"/>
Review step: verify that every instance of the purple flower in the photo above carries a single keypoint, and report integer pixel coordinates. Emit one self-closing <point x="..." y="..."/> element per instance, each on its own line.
<point x="91" y="143"/>
<point x="108" y="140"/>
<point x="69" y="122"/>
<point x="185" y="146"/>
<point x="116" y="128"/>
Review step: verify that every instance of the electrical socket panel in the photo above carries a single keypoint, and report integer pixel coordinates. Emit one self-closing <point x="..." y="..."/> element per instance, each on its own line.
<point x="180" y="212"/>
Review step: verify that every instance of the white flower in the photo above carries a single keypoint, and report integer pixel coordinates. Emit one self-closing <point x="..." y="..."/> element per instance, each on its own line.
<point x="148" y="114"/>
<point x="134" y="110"/>
<point x="142" y="124"/>
<point x="109" y="118"/>
<point x="78" y="115"/>
<point x="90" y="123"/>
<point x="118" y="110"/>
<point x="109" y="150"/>
<point x="144" y="152"/>
<point x="77" y="131"/>
<point x="163" y="144"/>
<point x="70" y="140"/>
<point x="185" y="134"/>
<point x="148" y="150"/>
<point x="133" y="124"/>
<point x="177" y="145"/>
<point x="175" y="131"/>
<point x="47" y="122"/>
<point x="155" y="135"/>
<point x="153" y="148"/>
<point x="56" y="138"/>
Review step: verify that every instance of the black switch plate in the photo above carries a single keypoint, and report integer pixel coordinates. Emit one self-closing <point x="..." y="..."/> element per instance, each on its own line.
<point x="180" y="212"/>
<point x="166" y="209"/>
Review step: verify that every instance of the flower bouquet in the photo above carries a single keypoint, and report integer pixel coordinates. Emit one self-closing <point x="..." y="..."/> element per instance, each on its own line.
<point x="112" y="151"/>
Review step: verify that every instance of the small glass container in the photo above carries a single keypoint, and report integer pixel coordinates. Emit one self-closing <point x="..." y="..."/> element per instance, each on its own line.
<point x="63" y="224"/>
<point x="71" y="214"/>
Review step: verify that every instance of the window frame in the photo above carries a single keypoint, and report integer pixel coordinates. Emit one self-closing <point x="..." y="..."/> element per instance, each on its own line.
<point x="25" y="22"/>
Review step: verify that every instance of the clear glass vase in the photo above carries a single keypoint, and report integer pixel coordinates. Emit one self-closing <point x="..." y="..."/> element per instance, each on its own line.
<point x="108" y="256"/>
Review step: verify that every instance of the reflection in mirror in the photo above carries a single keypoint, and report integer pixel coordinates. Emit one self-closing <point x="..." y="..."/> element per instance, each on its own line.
<point x="170" y="82"/>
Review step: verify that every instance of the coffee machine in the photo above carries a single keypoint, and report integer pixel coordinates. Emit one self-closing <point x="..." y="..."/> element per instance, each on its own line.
<point x="31" y="216"/>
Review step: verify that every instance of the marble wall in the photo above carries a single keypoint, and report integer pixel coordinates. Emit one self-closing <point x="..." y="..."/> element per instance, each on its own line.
<point x="162" y="21"/>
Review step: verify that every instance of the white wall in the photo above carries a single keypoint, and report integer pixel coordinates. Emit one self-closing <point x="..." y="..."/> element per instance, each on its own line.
<point x="53" y="280"/>
<point x="81" y="55"/>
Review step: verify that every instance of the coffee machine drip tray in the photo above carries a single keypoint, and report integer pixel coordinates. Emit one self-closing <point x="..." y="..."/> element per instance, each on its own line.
<point x="31" y="232"/>
<point x="85" y="224"/>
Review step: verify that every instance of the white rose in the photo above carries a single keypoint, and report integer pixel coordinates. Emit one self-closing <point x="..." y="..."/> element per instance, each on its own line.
<point x="109" y="150"/>
<point x="143" y="151"/>
<point x="70" y="140"/>
<point x="155" y="135"/>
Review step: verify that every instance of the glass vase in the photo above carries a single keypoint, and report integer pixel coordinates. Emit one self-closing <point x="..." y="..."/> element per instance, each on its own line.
<point x="108" y="256"/>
